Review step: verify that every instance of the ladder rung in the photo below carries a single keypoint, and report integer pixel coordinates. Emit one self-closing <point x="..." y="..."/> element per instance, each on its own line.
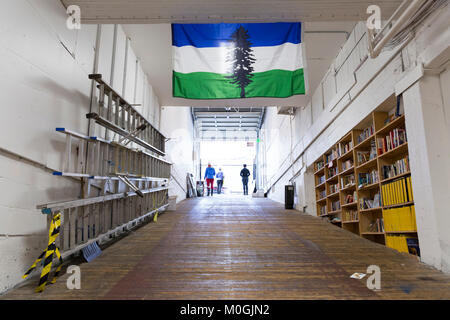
<point x="131" y="178"/>
<point x="83" y="202"/>
<point x="109" y="125"/>
<point x="69" y="174"/>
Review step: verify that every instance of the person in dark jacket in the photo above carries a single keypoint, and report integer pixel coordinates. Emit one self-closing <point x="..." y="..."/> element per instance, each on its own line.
<point x="245" y="173"/>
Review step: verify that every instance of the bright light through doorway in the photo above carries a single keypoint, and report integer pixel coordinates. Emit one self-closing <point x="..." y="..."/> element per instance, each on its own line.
<point x="230" y="157"/>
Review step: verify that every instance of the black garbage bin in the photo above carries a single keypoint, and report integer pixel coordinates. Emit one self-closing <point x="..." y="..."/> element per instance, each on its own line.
<point x="289" y="197"/>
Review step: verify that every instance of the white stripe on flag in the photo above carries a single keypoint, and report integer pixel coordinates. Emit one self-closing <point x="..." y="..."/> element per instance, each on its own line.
<point x="187" y="59"/>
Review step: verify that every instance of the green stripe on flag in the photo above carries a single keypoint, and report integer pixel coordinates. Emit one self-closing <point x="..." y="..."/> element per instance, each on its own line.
<point x="205" y="85"/>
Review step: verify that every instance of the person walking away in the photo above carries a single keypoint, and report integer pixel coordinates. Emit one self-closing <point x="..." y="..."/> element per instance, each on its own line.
<point x="210" y="173"/>
<point x="245" y="173"/>
<point x="219" y="177"/>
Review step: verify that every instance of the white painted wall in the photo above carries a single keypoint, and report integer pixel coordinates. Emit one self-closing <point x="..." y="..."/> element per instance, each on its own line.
<point x="177" y="125"/>
<point x="43" y="85"/>
<point x="348" y="93"/>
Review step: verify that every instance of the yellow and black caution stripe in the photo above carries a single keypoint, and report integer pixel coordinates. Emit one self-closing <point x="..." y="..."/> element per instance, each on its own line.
<point x="155" y="215"/>
<point x="156" y="205"/>
<point x="48" y="255"/>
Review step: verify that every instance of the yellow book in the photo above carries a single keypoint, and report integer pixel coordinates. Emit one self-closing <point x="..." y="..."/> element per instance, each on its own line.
<point x="392" y="220"/>
<point x="394" y="194"/>
<point x="409" y="219"/>
<point x="406" y="219"/>
<point x="399" y="243"/>
<point x="405" y="190"/>
<point x="396" y="243"/>
<point x="413" y="214"/>
<point x="400" y="225"/>
<point x="385" y="196"/>
<point x="404" y="245"/>
<point x="408" y="198"/>
<point x="389" y="241"/>
<point x="389" y="194"/>
<point x="402" y="190"/>
<point x="395" y="183"/>
<point x="387" y="220"/>
<point x="410" y="191"/>
<point x="399" y="191"/>
<point x="398" y="219"/>
<point x="410" y="187"/>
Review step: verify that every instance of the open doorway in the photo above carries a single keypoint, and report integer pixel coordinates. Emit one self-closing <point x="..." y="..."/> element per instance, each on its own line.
<point x="230" y="156"/>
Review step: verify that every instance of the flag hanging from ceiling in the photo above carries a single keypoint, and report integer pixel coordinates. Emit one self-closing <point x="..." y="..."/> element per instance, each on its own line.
<point x="232" y="61"/>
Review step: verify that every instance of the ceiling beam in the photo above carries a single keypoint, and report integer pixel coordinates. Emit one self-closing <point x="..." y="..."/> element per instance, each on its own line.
<point x="211" y="11"/>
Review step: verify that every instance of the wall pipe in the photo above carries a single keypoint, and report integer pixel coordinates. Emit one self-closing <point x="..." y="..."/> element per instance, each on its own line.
<point x="407" y="14"/>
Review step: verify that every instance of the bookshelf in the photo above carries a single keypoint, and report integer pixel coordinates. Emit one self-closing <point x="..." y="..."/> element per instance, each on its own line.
<point x="363" y="182"/>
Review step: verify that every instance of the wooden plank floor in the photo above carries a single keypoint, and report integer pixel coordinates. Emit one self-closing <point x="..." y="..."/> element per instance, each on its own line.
<point x="230" y="247"/>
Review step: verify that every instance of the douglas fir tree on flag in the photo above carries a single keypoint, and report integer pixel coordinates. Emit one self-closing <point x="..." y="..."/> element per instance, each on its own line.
<point x="230" y="61"/>
<point x="242" y="57"/>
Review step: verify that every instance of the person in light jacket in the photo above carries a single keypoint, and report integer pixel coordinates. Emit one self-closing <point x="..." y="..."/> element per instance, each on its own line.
<point x="219" y="177"/>
<point x="210" y="173"/>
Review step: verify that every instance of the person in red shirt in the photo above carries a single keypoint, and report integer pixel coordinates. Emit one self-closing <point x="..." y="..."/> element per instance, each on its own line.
<point x="210" y="173"/>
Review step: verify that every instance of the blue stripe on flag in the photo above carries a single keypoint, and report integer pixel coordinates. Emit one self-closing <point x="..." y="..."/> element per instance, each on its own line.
<point x="214" y="35"/>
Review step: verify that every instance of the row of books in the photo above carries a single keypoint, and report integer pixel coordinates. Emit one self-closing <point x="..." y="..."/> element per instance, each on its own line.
<point x="403" y="243"/>
<point x="366" y="203"/>
<point x="343" y="148"/>
<point x="347" y="180"/>
<point x="373" y="150"/>
<point x="350" y="215"/>
<point x="335" y="205"/>
<point x="319" y="165"/>
<point x="350" y="198"/>
<point x="400" y="219"/>
<point x="376" y="226"/>
<point x="392" y="117"/>
<point x="323" y="210"/>
<point x="365" y="179"/>
<point x="347" y="164"/>
<point x="398" y="167"/>
<point x="332" y="172"/>
<point x="367" y="132"/>
<point x="322" y="194"/>
<point x="320" y="179"/>
<point x="334" y="188"/>
<point x="394" y="139"/>
<point x="331" y="156"/>
<point x="397" y="192"/>
<point x="362" y="157"/>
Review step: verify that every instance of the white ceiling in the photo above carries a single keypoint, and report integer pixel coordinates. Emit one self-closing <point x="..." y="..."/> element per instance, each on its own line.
<point x="153" y="44"/>
<point x="167" y="11"/>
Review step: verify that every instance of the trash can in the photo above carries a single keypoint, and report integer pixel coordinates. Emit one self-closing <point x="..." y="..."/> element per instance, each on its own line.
<point x="172" y="203"/>
<point x="289" y="197"/>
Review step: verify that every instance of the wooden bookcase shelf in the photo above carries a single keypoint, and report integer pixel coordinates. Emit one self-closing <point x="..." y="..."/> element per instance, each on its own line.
<point x="382" y="168"/>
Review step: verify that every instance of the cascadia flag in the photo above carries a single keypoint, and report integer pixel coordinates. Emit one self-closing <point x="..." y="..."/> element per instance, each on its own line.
<point x="229" y="61"/>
